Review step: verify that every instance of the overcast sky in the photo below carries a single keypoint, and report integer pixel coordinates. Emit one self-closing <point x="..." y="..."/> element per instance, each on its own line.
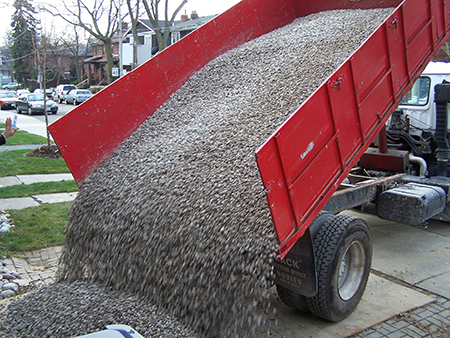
<point x="203" y="8"/>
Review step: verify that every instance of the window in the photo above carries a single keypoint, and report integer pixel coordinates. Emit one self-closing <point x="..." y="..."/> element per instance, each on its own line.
<point x="419" y="93"/>
<point x="147" y="40"/>
<point x="175" y="37"/>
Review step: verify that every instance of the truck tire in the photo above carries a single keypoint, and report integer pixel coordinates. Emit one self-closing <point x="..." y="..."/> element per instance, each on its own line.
<point x="343" y="253"/>
<point x="292" y="299"/>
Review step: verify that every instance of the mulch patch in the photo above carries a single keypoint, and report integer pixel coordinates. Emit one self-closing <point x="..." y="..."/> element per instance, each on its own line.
<point x="45" y="152"/>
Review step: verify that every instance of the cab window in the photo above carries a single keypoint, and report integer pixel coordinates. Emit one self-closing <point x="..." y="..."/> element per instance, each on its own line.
<point x="419" y="93"/>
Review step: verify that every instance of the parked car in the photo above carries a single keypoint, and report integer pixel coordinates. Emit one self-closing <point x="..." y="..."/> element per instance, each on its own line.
<point x="11" y="85"/>
<point x="34" y="103"/>
<point x="7" y="100"/>
<point x="22" y="91"/>
<point x="48" y="92"/>
<point x="77" y="96"/>
<point x="60" y="92"/>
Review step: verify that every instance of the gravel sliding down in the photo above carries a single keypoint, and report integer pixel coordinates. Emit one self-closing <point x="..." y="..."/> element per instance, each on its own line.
<point x="86" y="308"/>
<point x="178" y="214"/>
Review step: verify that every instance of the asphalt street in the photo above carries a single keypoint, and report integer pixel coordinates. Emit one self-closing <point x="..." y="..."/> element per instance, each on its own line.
<point x="35" y="124"/>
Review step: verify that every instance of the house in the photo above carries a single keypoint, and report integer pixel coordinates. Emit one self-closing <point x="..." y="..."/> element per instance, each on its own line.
<point x="95" y="66"/>
<point x="187" y="25"/>
<point x="146" y="46"/>
<point x="6" y="70"/>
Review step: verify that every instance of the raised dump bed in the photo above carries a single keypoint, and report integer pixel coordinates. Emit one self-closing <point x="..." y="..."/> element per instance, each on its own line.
<point x="304" y="161"/>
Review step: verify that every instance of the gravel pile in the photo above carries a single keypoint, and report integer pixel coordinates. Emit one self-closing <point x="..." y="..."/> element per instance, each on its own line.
<point x="177" y="215"/>
<point x="84" y="308"/>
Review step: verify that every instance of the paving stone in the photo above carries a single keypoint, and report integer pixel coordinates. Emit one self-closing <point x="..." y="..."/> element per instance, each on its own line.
<point x="384" y="331"/>
<point x="424" y="323"/>
<point x="371" y="334"/>
<point x="397" y="334"/>
<point x="425" y="313"/>
<point x="398" y="324"/>
<point x="445" y="313"/>
<point x="410" y="333"/>
<point x="434" y="320"/>
<point x="442" y="319"/>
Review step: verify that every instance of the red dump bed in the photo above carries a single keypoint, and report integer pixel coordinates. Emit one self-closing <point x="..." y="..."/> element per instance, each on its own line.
<point x="304" y="161"/>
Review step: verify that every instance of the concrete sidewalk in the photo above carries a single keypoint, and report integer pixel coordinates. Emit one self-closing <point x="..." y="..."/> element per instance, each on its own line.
<point x="32" y="126"/>
<point x="20" y="147"/>
<point x="26" y="202"/>
<point x="24" y="122"/>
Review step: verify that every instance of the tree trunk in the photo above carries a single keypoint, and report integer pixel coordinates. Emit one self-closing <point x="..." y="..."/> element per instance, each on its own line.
<point x="109" y="58"/>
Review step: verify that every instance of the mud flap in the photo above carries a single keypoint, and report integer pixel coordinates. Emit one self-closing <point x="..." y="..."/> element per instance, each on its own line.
<point x="296" y="271"/>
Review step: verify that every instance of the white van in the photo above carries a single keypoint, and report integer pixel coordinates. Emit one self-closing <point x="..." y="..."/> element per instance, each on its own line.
<point x="61" y="91"/>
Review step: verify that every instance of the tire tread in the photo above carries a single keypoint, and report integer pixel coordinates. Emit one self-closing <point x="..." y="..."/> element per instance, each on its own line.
<point x="330" y="233"/>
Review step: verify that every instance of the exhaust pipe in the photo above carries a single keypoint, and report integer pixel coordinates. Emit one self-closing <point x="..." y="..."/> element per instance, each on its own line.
<point x="421" y="162"/>
<point x="442" y="97"/>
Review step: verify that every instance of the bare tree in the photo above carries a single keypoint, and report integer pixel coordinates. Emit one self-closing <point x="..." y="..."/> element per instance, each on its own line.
<point x="446" y="50"/>
<point x="99" y="18"/>
<point x="41" y="46"/>
<point x="78" y="49"/>
<point x="133" y="12"/>
<point x="162" y="33"/>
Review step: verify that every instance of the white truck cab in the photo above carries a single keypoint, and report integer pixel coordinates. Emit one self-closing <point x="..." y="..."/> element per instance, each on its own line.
<point x="418" y="105"/>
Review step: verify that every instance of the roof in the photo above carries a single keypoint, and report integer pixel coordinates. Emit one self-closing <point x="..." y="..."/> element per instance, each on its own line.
<point x="191" y="24"/>
<point x="437" y="68"/>
<point x="145" y="26"/>
<point x="97" y="58"/>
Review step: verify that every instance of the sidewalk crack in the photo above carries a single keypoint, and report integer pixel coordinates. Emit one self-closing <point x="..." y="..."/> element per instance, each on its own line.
<point x="37" y="200"/>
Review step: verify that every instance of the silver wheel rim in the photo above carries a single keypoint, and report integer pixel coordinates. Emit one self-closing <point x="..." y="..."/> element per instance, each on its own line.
<point x="351" y="270"/>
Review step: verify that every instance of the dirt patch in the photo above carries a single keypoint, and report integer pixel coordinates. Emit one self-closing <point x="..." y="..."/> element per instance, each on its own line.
<point x="45" y="152"/>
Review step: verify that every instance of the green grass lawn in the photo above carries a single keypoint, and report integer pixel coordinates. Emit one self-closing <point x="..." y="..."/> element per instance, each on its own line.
<point x="27" y="190"/>
<point x="15" y="162"/>
<point x="23" y="137"/>
<point x="35" y="228"/>
<point x="41" y="226"/>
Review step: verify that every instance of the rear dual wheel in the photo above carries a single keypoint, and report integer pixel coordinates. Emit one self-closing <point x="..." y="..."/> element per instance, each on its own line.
<point x="343" y="255"/>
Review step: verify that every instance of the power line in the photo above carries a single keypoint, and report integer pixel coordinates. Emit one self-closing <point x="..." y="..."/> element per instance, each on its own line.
<point x="19" y="58"/>
<point x="18" y="36"/>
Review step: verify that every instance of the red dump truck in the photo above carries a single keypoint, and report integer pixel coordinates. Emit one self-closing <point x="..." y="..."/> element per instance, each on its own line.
<point x="348" y="145"/>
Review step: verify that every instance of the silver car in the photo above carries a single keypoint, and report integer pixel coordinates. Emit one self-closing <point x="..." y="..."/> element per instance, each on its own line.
<point x="76" y="96"/>
<point x="34" y="103"/>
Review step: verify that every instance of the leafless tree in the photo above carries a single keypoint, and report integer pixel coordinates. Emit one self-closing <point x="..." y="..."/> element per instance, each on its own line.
<point x="162" y="33"/>
<point x="446" y="50"/>
<point x="78" y="49"/>
<point x="41" y="45"/>
<point x="133" y="12"/>
<point x="99" y="18"/>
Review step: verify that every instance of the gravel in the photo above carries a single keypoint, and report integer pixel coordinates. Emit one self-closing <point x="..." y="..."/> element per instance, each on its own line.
<point x="72" y="307"/>
<point x="178" y="215"/>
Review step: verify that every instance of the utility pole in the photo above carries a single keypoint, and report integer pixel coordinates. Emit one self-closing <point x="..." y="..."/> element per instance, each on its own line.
<point x="120" y="42"/>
